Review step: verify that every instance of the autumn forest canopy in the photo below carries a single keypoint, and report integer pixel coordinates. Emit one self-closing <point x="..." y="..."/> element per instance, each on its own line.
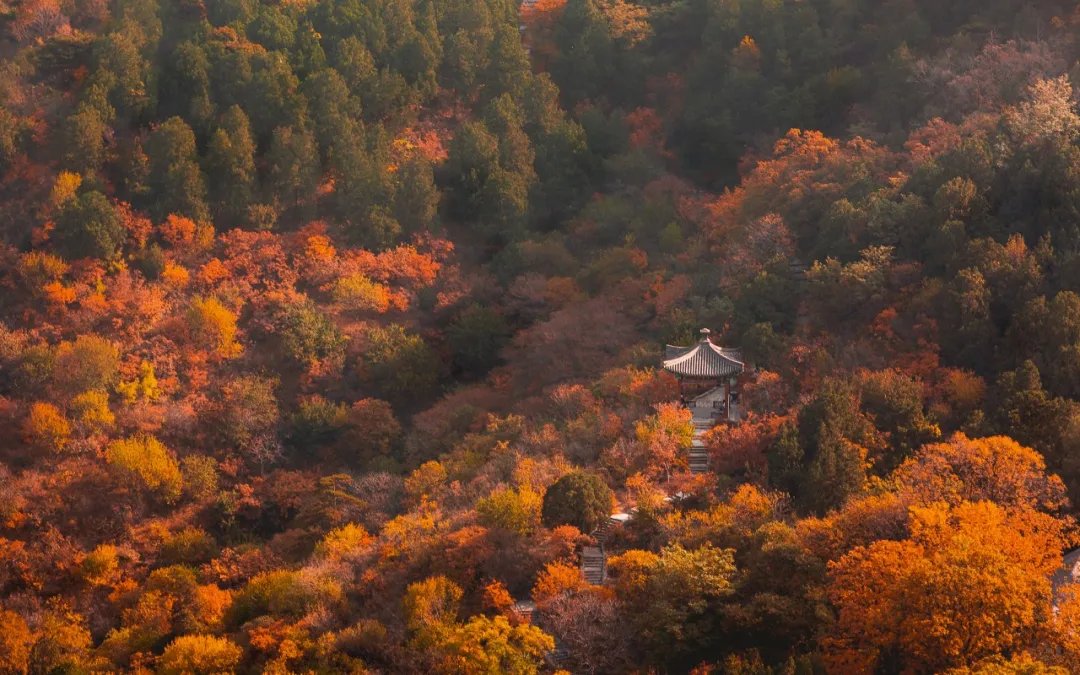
<point x="331" y="336"/>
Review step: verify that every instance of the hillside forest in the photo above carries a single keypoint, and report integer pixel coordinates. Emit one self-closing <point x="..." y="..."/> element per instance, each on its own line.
<point x="331" y="333"/>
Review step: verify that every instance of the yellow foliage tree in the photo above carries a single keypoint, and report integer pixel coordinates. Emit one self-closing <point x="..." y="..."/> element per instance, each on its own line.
<point x="1018" y="664"/>
<point x="63" y="641"/>
<point x="342" y="541"/>
<point x="408" y="530"/>
<point x="663" y="437"/>
<point x="425" y="481"/>
<point x="729" y="524"/>
<point x="482" y="645"/>
<point x="513" y="510"/>
<point x="99" y="567"/>
<point x="46" y="428"/>
<point x="493" y="645"/>
<point x="90" y="410"/>
<point x="199" y="655"/>
<point x="629" y="21"/>
<point x="144" y="387"/>
<point x="431" y="603"/>
<point x="90" y="362"/>
<point x="41" y="271"/>
<point x="213" y="327"/>
<point x="145" y="457"/>
<point x="64" y="188"/>
<point x="671" y="598"/>
<point x="357" y="292"/>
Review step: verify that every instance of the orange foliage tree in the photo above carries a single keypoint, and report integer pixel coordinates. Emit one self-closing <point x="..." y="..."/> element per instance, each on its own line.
<point x="557" y="579"/>
<point x="540" y="19"/>
<point x="972" y="581"/>
<point x="996" y="469"/>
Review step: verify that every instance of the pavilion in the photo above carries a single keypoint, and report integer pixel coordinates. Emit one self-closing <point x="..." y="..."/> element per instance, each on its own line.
<point x="710" y="378"/>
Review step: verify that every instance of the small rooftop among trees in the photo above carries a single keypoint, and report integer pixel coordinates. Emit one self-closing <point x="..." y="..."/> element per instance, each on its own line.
<point x="704" y="359"/>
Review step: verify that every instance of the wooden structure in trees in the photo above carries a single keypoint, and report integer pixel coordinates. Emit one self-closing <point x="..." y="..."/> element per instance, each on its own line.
<point x="710" y="382"/>
<point x="710" y="377"/>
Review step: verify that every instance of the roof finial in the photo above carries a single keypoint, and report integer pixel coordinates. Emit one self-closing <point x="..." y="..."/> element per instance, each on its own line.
<point x="705" y="334"/>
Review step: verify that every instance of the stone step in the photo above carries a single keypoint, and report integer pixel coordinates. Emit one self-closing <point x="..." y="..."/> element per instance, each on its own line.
<point x="606" y="528"/>
<point x="593" y="562"/>
<point x="524" y="610"/>
<point x="698" y="460"/>
<point x="558" y="656"/>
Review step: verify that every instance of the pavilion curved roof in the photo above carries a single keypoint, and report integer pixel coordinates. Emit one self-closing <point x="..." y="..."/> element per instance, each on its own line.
<point x="703" y="359"/>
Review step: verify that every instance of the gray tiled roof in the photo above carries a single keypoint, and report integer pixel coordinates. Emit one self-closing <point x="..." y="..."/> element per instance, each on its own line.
<point x="703" y="360"/>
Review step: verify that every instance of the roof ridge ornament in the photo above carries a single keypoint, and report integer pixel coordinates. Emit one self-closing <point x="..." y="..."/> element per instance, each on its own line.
<point x="705" y="332"/>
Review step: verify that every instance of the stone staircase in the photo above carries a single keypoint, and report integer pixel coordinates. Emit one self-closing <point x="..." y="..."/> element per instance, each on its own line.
<point x="557" y="657"/>
<point x="594" y="558"/>
<point x="698" y="457"/>
<point x="615" y="520"/>
<point x="796" y="267"/>
<point x="524" y="610"/>
<point x="593" y="564"/>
